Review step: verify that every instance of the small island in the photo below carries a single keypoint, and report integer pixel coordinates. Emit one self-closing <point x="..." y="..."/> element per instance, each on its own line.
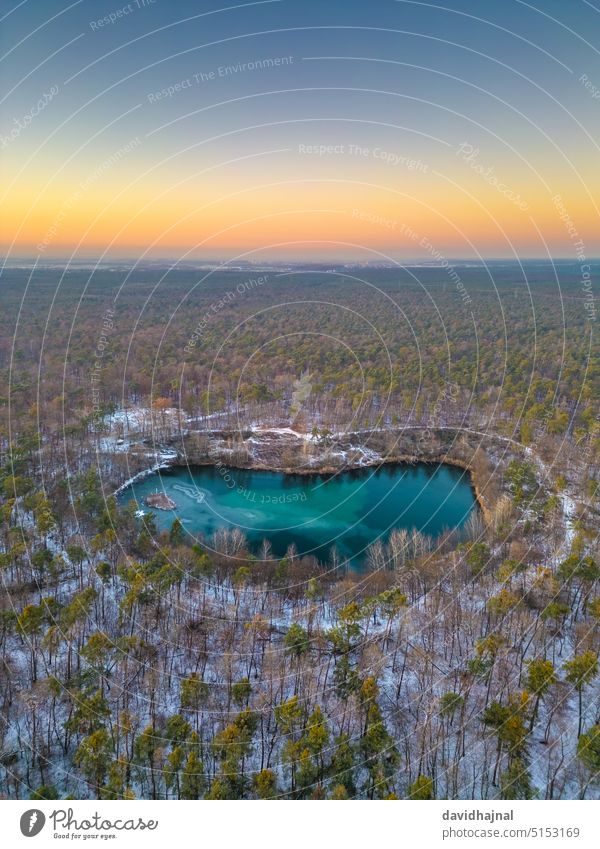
<point x="160" y="501"/>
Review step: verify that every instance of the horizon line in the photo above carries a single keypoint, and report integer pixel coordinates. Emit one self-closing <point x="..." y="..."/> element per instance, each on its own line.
<point x="43" y="260"/>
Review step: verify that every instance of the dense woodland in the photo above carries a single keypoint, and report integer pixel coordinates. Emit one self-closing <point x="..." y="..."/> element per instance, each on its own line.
<point x="381" y="346"/>
<point x="135" y="664"/>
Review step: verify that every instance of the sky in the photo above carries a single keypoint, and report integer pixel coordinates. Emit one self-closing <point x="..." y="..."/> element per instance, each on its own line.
<point x="385" y="130"/>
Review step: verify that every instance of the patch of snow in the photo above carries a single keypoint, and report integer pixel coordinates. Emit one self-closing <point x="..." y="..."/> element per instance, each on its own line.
<point x="143" y="474"/>
<point x="569" y="508"/>
<point x="288" y="431"/>
<point x="113" y="445"/>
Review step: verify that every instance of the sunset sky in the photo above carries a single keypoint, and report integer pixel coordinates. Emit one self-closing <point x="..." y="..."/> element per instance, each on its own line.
<point x="290" y="130"/>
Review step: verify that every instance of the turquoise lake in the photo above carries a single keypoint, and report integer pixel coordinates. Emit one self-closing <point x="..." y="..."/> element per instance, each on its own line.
<point x="349" y="510"/>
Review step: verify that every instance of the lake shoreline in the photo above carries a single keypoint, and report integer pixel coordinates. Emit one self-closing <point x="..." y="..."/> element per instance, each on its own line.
<point x="351" y="509"/>
<point x="284" y="450"/>
<point x="290" y="452"/>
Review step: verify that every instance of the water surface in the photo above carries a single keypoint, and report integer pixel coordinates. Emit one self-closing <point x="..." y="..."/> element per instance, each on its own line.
<point x="351" y="509"/>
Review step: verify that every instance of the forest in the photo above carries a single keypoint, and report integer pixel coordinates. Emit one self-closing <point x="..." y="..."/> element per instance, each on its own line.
<point x="136" y="663"/>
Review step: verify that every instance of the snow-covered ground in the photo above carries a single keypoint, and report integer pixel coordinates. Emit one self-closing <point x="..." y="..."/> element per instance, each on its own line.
<point x="114" y="445"/>
<point x="163" y="463"/>
<point x="568" y="504"/>
<point x="142" y="420"/>
<point x="287" y="431"/>
<point x="569" y="508"/>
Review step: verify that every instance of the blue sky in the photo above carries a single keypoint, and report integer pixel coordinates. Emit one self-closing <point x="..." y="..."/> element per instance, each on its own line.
<point x="419" y="78"/>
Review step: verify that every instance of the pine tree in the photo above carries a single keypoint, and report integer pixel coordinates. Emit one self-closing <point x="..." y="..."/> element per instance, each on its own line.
<point x="540" y="677"/>
<point x="93" y="756"/>
<point x="421" y="788"/>
<point x="192" y="777"/>
<point x="581" y="671"/>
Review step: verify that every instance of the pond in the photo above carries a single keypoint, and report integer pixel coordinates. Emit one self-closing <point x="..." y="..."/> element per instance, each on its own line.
<point x="350" y="510"/>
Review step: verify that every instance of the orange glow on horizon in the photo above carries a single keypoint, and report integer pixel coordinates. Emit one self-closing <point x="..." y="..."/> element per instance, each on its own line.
<point x="413" y="218"/>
